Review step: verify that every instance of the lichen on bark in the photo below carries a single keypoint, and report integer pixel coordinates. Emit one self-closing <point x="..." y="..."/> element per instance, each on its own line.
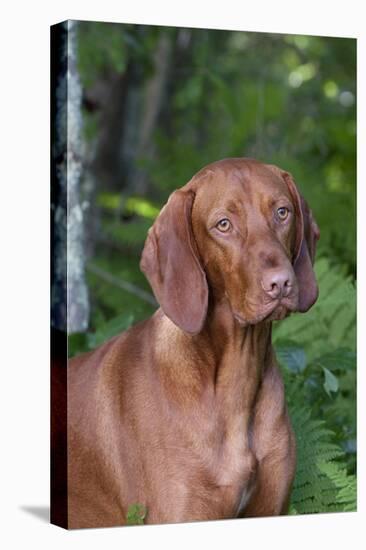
<point x="69" y="294"/>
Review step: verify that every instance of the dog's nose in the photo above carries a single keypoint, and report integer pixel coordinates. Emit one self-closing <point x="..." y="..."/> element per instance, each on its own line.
<point x="277" y="283"/>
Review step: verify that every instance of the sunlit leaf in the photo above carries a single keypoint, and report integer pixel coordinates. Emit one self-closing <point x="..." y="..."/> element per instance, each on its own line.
<point x="330" y="382"/>
<point x="142" y="207"/>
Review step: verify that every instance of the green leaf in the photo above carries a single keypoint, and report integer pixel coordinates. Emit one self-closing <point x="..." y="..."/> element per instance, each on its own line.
<point x="136" y="514"/>
<point x="294" y="358"/>
<point x="142" y="207"/>
<point x="111" y="328"/>
<point x="331" y="382"/>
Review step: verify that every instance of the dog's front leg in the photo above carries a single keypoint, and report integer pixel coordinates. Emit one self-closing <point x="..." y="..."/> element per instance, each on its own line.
<point x="273" y="444"/>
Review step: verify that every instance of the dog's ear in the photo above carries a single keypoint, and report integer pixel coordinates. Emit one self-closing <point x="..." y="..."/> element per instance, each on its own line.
<point x="171" y="264"/>
<point x="307" y="234"/>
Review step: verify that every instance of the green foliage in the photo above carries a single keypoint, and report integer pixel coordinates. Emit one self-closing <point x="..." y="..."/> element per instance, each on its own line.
<point x="82" y="342"/>
<point x="332" y="319"/>
<point x="109" y="47"/>
<point x="131" y="233"/>
<point x="126" y="220"/>
<point x="113" y="309"/>
<point x="322" y="483"/>
<point x="346" y="486"/>
<point x="321" y="384"/>
<point x="329" y="392"/>
<point x="136" y="514"/>
<point x="324" y="379"/>
<point x="111" y="53"/>
<point x="132" y="205"/>
<point x="285" y="105"/>
<point x="111" y="328"/>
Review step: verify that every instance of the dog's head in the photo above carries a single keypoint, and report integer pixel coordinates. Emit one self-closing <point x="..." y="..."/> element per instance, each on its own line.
<point x="241" y="232"/>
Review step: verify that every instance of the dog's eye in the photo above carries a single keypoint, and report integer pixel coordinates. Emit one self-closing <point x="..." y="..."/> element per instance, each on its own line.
<point x="223" y="225"/>
<point x="283" y="213"/>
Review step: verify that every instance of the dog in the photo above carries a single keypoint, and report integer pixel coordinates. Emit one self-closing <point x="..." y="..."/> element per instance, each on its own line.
<point x="185" y="412"/>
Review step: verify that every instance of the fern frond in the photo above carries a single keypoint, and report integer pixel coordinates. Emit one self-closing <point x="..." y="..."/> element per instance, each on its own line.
<point x="346" y="485"/>
<point x="321" y="482"/>
<point x="332" y="319"/>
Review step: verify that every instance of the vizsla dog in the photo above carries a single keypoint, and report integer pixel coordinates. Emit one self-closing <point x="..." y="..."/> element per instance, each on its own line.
<point x="185" y="412"/>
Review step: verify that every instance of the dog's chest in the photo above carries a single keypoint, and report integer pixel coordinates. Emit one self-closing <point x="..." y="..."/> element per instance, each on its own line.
<point x="233" y="465"/>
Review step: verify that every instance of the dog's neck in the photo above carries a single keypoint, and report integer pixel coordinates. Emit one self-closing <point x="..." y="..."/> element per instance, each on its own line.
<point x="225" y="332"/>
<point x="224" y="355"/>
<point x="247" y="347"/>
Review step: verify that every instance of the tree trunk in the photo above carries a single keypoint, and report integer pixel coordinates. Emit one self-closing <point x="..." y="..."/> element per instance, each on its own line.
<point x="129" y="105"/>
<point x="152" y="101"/>
<point x="69" y="296"/>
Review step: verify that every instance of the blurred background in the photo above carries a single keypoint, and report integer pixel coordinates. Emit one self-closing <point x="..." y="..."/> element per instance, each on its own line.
<point x="156" y="104"/>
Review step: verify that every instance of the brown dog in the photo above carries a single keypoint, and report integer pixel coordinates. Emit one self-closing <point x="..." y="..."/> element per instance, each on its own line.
<point x="185" y="412"/>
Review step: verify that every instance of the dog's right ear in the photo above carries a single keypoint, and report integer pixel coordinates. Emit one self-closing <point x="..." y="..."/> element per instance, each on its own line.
<point x="171" y="264"/>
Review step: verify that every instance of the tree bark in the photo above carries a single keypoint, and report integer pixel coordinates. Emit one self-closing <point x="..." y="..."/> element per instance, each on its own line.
<point x="129" y="106"/>
<point x="153" y="97"/>
<point x="69" y="296"/>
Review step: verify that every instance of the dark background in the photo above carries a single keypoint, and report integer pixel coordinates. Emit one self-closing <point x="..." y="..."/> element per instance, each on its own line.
<point x="157" y="104"/>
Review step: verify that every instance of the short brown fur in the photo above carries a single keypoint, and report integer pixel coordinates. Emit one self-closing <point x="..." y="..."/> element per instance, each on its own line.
<point x="185" y="412"/>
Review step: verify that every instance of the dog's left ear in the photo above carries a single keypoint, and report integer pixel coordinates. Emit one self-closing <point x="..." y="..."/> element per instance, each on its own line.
<point x="307" y="234"/>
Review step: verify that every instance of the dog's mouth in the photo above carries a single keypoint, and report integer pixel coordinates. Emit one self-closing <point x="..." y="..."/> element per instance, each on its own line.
<point x="280" y="312"/>
<point x="274" y="311"/>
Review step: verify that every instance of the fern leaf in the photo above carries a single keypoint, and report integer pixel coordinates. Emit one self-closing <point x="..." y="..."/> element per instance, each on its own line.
<point x="346" y="485"/>
<point x="331" y="320"/>
<point x="321" y="482"/>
